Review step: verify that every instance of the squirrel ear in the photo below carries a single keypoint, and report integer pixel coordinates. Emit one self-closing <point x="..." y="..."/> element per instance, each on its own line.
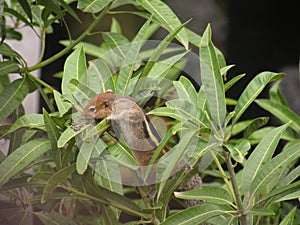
<point x="109" y="91"/>
<point x="106" y="104"/>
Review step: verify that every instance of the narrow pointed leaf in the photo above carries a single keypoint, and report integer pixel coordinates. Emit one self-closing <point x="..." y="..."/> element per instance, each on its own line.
<point x="212" y="79"/>
<point x="194" y="215"/>
<point x="282" y="112"/>
<point x="53" y="135"/>
<point x="53" y="218"/>
<point x="7" y="67"/>
<point x="276" y="95"/>
<point x="68" y="134"/>
<point x="116" y="42"/>
<point x="260" y="156"/>
<point x="159" y="50"/>
<point x="28" y="121"/>
<point x="22" y="157"/>
<point x="130" y="61"/>
<point x="26" y="7"/>
<point x="12" y="96"/>
<point x="289" y="218"/>
<point x="294" y="195"/>
<point x="93" y="6"/>
<point x="161" y="68"/>
<point x="186" y="90"/>
<point x="273" y="167"/>
<point x="85" y="152"/>
<point x="75" y="68"/>
<point x="99" y="76"/>
<point x="63" y="106"/>
<point x="213" y="195"/>
<point x="253" y="89"/>
<point x="166" y="18"/>
<point x="56" y="179"/>
<point x="168" y="164"/>
<point x="109" y="174"/>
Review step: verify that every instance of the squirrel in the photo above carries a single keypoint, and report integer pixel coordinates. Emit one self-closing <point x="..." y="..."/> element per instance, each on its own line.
<point x="129" y="119"/>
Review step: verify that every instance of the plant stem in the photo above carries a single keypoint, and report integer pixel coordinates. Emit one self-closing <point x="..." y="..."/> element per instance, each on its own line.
<point x="218" y="164"/>
<point x="72" y="44"/>
<point x="235" y="188"/>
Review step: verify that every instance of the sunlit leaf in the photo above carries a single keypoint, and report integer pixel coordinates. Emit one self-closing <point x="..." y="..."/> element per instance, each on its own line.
<point x="195" y="215"/>
<point x="29" y="121"/>
<point x="273" y="167"/>
<point x="253" y="89"/>
<point x="75" y="68"/>
<point x="93" y="6"/>
<point x="212" y="80"/>
<point x="260" y="156"/>
<point x="166" y="17"/>
<point x="209" y="194"/>
<point x="130" y="61"/>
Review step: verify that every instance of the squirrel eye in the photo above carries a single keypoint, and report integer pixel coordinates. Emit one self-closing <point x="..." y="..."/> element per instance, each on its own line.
<point x="92" y="109"/>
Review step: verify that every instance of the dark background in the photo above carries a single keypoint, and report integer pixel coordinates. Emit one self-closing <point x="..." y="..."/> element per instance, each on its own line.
<point x="256" y="36"/>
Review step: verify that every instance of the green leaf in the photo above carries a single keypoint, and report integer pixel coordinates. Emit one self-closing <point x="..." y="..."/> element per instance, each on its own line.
<point x="12" y="96"/>
<point x="7" y="67"/>
<point x="93" y="6"/>
<point x="289" y="218"/>
<point x="116" y="42"/>
<point x="26" y="8"/>
<point x="53" y="135"/>
<point x="233" y="81"/>
<point x="235" y="153"/>
<point x="261" y="211"/>
<point x="99" y="76"/>
<point x="210" y="194"/>
<point x="85" y="152"/>
<point x="282" y="112"/>
<point x="130" y="61"/>
<point x="108" y="173"/>
<point x="75" y="68"/>
<point x="294" y="195"/>
<point x="169" y="162"/>
<point x="194" y="215"/>
<point x="62" y="105"/>
<point x="159" y="50"/>
<point x="162" y="68"/>
<point x="56" y="179"/>
<point x="254" y="125"/>
<point x="28" y="121"/>
<point x="166" y="18"/>
<point x="22" y="157"/>
<point x="186" y="90"/>
<point x="273" y="167"/>
<point x="8" y="51"/>
<point x="260" y="156"/>
<point x="81" y="93"/>
<point x="68" y="134"/>
<point x="276" y="95"/>
<point x="69" y="10"/>
<point x="212" y="80"/>
<point x="289" y="178"/>
<point x="115" y="26"/>
<point x="100" y="194"/>
<point x="53" y="218"/>
<point x="253" y="89"/>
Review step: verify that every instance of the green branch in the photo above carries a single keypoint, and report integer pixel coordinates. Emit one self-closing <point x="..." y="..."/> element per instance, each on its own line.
<point x="71" y="45"/>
